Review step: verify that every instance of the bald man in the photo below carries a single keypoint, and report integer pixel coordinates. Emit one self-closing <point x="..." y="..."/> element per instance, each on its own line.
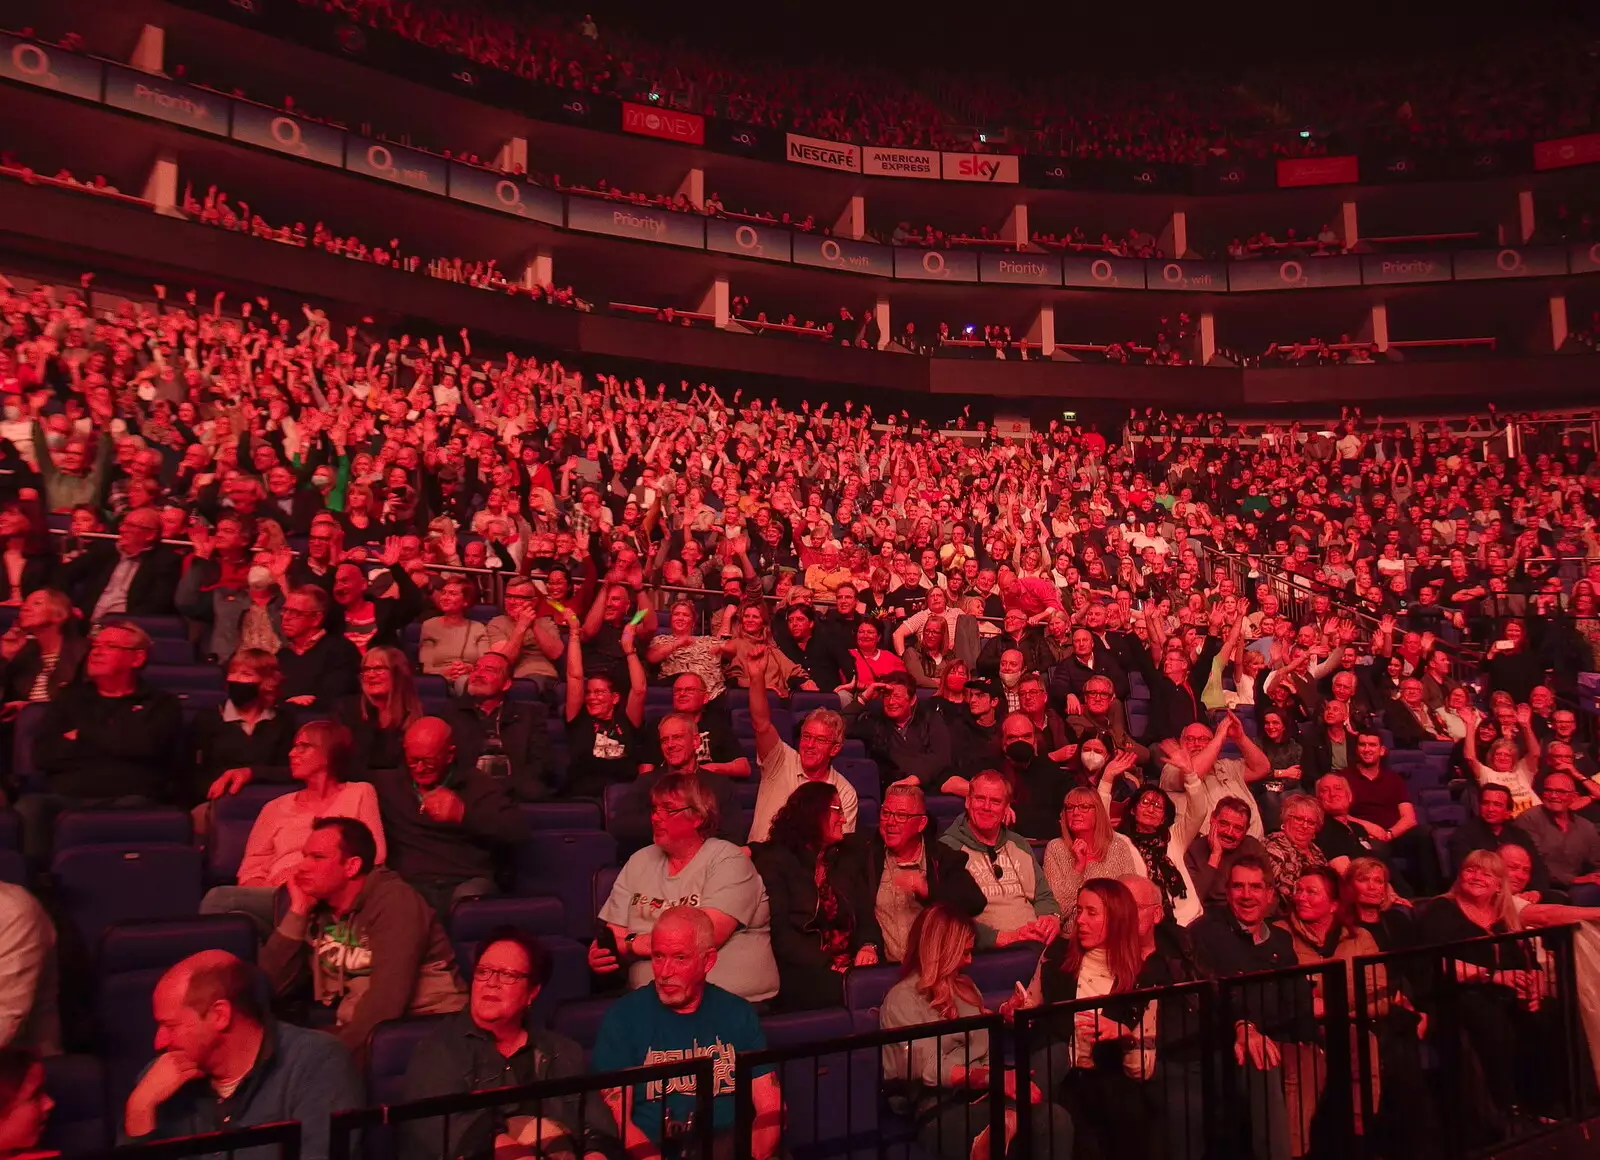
<point x="223" y="1062"/>
<point x="445" y="825"/>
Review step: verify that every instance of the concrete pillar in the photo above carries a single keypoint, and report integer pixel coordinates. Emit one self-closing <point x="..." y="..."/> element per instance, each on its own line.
<point x="693" y="187"/>
<point x="715" y="302"/>
<point x="540" y="271"/>
<point x="513" y="156"/>
<point x="161" y="187"/>
<point x="1349" y="231"/>
<point x="1526" y="220"/>
<point x="1043" y="329"/>
<point x="1379" y="326"/>
<point x="852" y="222"/>
<point x="1208" y="335"/>
<point x="882" y="311"/>
<point x="150" y="52"/>
<point x="1180" y="234"/>
<point x="1558" y="321"/>
<point x="1015" y="230"/>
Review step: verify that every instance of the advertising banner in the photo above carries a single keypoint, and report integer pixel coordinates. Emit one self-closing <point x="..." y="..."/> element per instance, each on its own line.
<point x="1227" y="175"/>
<point x="1294" y="172"/>
<point x="1520" y="262"/>
<point x="564" y="106"/>
<point x="1399" y="166"/>
<point x="1048" y="172"/>
<point x="1134" y="176"/>
<point x="1211" y="277"/>
<point x="1566" y="151"/>
<point x="844" y="254"/>
<point x="620" y="220"/>
<point x="935" y="265"/>
<point x="743" y="140"/>
<point x="1388" y="269"/>
<point x="1294" y="273"/>
<point x="823" y="154"/>
<point x="667" y="124"/>
<point x="484" y="187"/>
<point x="771" y="243"/>
<point x="1021" y="269"/>
<point x="270" y="129"/>
<point x="49" y="68"/>
<point x="1102" y="273"/>
<point x="396" y="163"/>
<point x="166" y="100"/>
<point x="1585" y="258"/>
<point x="1000" y="169"/>
<point x="921" y="163"/>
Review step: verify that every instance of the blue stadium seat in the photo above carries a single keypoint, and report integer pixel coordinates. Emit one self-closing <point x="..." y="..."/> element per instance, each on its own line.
<point x="1441" y="845"/>
<point x="864" y="989"/>
<point x="483" y="613"/>
<point x="389" y="1053"/>
<point x="24" y="772"/>
<point x="1439" y="748"/>
<point x="133" y="957"/>
<point x="119" y="827"/>
<point x="562" y="863"/>
<point x="163" y="627"/>
<point x="561" y="815"/>
<point x="166" y="650"/>
<point x="473" y="918"/>
<point x="830" y="1101"/>
<point x="232" y="817"/>
<point x="1450" y="814"/>
<point x="78" y="1125"/>
<point x="604" y="879"/>
<point x="580" y="1019"/>
<point x="996" y="972"/>
<point x="99" y="886"/>
<point x="183" y="678"/>
<point x="943" y="809"/>
<point x="853" y="747"/>
<point x="431" y="687"/>
<point x="806" y="700"/>
<point x="861" y="773"/>
<point x="866" y="815"/>
<point x="744" y="793"/>
<point x="10" y="830"/>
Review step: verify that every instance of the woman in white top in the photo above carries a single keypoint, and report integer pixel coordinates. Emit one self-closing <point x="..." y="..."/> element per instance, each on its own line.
<point x="1455" y="715"/>
<point x="319" y="759"/>
<point x="1503" y="764"/>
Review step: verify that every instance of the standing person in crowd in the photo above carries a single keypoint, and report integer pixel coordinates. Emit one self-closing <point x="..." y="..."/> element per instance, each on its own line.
<point x="223" y="1062"/>
<point x="527" y="634"/>
<point x="1020" y="906"/>
<point x="821" y="896"/>
<point x="496" y="1042"/>
<point x="110" y="741"/>
<point x="786" y="769"/>
<point x="678" y="1013"/>
<point x="1379" y="797"/>
<point x="1567" y="845"/>
<point x="372" y="947"/>
<point x="914" y="873"/>
<point x="684" y="862"/>
<point x="321" y="761"/>
<point x="944" y="1077"/>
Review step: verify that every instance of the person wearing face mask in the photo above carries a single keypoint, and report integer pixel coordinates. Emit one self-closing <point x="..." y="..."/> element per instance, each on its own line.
<point x="244" y="739"/>
<point x="1038" y="784"/>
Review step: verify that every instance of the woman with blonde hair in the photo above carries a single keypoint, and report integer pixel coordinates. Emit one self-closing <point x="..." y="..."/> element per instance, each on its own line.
<point x="753" y="629"/>
<point x="945" y="1077"/>
<point x="1089" y="847"/>
<point x="681" y="650"/>
<point x="377" y="716"/>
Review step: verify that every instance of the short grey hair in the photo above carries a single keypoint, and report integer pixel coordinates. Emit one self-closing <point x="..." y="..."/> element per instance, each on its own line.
<point x="705" y="935"/>
<point x="831" y="719"/>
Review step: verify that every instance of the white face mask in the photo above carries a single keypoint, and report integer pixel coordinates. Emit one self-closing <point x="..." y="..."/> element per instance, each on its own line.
<point x="1010" y="680"/>
<point x="13" y="413"/>
<point x="1094" y="761"/>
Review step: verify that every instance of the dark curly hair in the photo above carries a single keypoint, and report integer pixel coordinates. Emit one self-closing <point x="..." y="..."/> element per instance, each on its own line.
<point x="799" y="824"/>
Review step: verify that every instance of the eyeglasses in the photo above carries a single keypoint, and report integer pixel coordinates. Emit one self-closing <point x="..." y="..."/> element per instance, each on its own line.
<point x="669" y="811"/>
<point x="897" y="816"/>
<point x="499" y="975"/>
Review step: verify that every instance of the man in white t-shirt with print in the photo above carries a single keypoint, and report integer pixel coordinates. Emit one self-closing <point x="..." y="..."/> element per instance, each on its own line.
<point x="785" y="769"/>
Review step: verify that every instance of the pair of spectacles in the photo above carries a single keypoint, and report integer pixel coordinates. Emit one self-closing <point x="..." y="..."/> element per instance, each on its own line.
<point x="669" y="811"/>
<point x="896" y="815"/>
<point x="499" y="975"/>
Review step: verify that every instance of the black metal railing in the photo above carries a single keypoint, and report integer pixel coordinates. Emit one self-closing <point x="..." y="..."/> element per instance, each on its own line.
<point x="547" y="1118"/>
<point x="282" y="1139"/>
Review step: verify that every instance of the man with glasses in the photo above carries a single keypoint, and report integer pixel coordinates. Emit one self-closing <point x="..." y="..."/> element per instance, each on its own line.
<point x="1102" y="713"/>
<point x="531" y="641"/>
<point x="135" y="576"/>
<point x="324" y="553"/>
<point x="507" y="740"/>
<point x="497" y="1042"/>
<point x="1054" y="738"/>
<point x="1018" y="903"/>
<point x="445" y="824"/>
<point x="913" y="873"/>
<point x="1568" y="845"/>
<point x="318" y="667"/>
<point x="909" y="741"/>
<point x="1211" y="855"/>
<point x="785" y="768"/>
<point x="108" y="740"/>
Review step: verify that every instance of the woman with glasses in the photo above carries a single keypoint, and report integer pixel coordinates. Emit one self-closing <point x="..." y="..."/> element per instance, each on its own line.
<point x="686" y="864"/>
<point x="1293" y="850"/>
<point x="943" y="1081"/>
<point x="681" y="650"/>
<point x="1087" y="848"/>
<point x="320" y="761"/>
<point x="823" y="902"/>
<point x="1162" y="836"/>
<point x="378" y="715"/>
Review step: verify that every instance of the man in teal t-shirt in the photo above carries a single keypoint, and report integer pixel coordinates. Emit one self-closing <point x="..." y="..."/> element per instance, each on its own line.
<point x="683" y="1017"/>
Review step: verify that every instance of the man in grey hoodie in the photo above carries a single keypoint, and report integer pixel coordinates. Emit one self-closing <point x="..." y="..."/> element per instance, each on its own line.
<point x="1020" y="907"/>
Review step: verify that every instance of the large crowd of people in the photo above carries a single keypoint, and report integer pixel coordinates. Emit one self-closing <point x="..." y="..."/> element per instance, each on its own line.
<point x="1154" y="704"/>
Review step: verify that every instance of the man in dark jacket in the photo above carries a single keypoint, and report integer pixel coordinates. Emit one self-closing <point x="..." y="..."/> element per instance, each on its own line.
<point x="914" y="873"/>
<point x="214" y="1036"/>
<point x="136" y="576"/>
<point x="910" y="742"/>
<point x="318" y="666"/>
<point x="445" y="826"/>
<point x="495" y="1042"/>
<point x="1490" y="828"/>
<point x="504" y="739"/>
<point x="110" y="740"/>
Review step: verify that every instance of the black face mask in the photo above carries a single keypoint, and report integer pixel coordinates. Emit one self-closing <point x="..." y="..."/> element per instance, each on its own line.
<point x="1020" y="752"/>
<point x="243" y="694"/>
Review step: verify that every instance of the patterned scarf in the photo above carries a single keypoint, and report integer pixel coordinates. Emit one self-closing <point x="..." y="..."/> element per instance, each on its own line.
<point x="1152" y="848"/>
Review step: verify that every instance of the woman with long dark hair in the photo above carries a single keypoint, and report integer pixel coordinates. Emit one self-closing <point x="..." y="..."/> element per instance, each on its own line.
<point x="822" y="899"/>
<point x="378" y="715"/>
<point x="1156" y="829"/>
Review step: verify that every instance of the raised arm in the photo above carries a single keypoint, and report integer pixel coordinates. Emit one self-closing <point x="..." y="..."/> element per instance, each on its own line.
<point x="755" y="669"/>
<point x="574" y="667"/>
